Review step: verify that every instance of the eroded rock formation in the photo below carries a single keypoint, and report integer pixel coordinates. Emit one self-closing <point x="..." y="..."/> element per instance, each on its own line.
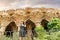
<point x="34" y="14"/>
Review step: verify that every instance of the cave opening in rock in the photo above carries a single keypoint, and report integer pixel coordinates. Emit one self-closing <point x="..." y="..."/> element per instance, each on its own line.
<point x="30" y="26"/>
<point x="44" y="23"/>
<point x="10" y="28"/>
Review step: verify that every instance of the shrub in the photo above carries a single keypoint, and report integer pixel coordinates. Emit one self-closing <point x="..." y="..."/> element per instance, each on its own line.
<point x="54" y="24"/>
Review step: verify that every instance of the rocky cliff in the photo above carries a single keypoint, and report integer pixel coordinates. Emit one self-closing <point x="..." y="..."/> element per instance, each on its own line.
<point x="34" y="14"/>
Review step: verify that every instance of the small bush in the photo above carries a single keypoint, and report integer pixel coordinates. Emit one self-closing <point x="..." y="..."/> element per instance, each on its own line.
<point x="54" y="24"/>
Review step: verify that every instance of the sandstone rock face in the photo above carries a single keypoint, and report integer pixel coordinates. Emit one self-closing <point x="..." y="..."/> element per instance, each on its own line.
<point x="34" y="14"/>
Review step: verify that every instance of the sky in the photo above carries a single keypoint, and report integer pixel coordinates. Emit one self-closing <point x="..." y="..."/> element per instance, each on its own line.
<point x="13" y="4"/>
